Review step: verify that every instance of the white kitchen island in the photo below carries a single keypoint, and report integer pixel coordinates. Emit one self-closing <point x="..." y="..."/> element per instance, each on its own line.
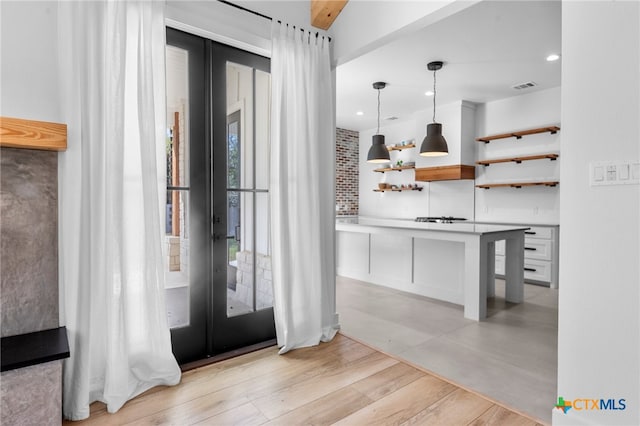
<point x="454" y="262"/>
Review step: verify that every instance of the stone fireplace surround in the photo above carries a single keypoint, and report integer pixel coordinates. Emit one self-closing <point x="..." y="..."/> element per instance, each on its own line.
<point x="31" y="381"/>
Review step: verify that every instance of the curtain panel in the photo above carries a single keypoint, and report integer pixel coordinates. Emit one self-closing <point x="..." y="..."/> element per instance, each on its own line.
<point x="302" y="188"/>
<point x="112" y="192"/>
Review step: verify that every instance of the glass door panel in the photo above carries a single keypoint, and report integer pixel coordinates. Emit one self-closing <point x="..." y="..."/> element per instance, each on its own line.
<point x="177" y="200"/>
<point x="248" y="132"/>
<point x="262" y="128"/>
<point x="186" y="212"/>
<point x="263" y="276"/>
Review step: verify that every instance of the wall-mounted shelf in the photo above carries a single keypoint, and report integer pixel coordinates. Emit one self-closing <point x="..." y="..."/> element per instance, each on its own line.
<point x="394" y="169"/>
<point x="518" y="160"/>
<point x="401" y="147"/>
<point x="517" y="184"/>
<point x="456" y="172"/>
<point x="519" y="134"/>
<point x="398" y="189"/>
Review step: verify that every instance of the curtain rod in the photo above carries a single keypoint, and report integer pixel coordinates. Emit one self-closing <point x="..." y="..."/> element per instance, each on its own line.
<point x="253" y="12"/>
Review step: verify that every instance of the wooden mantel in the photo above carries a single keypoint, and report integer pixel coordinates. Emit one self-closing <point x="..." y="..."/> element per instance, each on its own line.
<point x="30" y="134"/>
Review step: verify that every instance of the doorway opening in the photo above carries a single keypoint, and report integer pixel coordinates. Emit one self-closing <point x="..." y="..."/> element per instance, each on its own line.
<point x="218" y="287"/>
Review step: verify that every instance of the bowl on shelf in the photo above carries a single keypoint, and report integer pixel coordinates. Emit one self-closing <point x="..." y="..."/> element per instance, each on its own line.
<point x="382" y="185"/>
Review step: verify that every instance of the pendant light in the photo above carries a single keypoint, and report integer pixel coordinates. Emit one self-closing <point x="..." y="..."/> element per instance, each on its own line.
<point x="434" y="144"/>
<point x="378" y="153"/>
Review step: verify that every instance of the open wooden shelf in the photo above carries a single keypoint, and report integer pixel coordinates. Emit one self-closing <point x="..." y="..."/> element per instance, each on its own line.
<point x="551" y="157"/>
<point x="400" y="148"/>
<point x="456" y="172"/>
<point x="394" y="169"/>
<point x="517" y="184"/>
<point x="398" y="189"/>
<point x="519" y="134"/>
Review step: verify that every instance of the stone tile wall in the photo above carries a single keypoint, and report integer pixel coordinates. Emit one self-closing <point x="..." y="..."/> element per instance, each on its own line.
<point x="32" y="395"/>
<point x="29" y="280"/>
<point x="347" y="171"/>
<point x="28" y="240"/>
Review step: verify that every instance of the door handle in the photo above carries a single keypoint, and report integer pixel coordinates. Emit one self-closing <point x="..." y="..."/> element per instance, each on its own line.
<point x="237" y="231"/>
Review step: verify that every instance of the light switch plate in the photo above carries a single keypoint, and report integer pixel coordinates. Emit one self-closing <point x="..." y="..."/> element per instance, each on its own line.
<point x="622" y="172"/>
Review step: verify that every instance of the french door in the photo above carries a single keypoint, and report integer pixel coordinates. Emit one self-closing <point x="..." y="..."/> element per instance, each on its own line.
<point x="219" y="292"/>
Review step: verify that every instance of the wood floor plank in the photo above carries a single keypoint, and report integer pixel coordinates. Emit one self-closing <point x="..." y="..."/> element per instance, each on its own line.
<point x="457" y="408"/>
<point x="192" y="411"/>
<point x="402" y="404"/>
<point x="343" y="382"/>
<point x="388" y="381"/>
<point x="244" y="415"/>
<point x="285" y="379"/>
<point x="290" y="398"/>
<point x="265" y="360"/>
<point x="262" y="376"/>
<point x="325" y="410"/>
<point x="498" y="416"/>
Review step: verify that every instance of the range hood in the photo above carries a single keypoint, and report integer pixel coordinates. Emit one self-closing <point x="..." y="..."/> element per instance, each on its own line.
<point x="438" y="173"/>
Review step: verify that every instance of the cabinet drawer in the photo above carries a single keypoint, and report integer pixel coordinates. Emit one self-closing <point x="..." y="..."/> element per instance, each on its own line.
<point x="537" y="270"/>
<point x="539" y="232"/>
<point x="537" y="249"/>
<point x="499" y="265"/>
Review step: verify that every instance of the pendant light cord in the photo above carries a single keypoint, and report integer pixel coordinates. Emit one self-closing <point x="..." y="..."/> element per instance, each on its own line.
<point x="378" y="130"/>
<point x="434" y="96"/>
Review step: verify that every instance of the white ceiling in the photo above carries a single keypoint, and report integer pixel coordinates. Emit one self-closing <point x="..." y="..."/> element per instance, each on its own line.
<point x="487" y="48"/>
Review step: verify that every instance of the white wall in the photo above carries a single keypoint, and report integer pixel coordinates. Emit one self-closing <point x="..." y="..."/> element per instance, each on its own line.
<point x="29" y="60"/>
<point x="528" y="204"/>
<point x="598" y="351"/>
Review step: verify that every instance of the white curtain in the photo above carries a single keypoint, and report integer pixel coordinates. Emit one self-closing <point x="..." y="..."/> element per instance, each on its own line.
<point x="111" y="182"/>
<point x="302" y="188"/>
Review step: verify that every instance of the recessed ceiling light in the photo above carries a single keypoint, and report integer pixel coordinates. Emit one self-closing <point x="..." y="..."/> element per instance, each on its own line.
<point x="428" y="93"/>
<point x="553" y="57"/>
<point x="359" y="113"/>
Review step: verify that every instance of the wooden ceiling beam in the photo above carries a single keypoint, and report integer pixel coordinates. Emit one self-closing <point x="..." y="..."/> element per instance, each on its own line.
<point x="324" y="12"/>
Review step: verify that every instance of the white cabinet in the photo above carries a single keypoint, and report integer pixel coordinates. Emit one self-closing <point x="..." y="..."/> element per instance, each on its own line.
<point x="540" y="254"/>
<point x="352" y="254"/>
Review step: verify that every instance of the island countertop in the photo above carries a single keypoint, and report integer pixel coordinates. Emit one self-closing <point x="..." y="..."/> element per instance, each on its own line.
<point x="453" y="262"/>
<point x="352" y="223"/>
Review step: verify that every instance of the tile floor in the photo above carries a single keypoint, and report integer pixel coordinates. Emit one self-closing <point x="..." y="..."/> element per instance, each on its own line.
<point x="510" y="357"/>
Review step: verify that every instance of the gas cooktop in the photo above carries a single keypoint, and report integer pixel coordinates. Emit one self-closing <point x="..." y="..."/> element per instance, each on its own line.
<point x="440" y="219"/>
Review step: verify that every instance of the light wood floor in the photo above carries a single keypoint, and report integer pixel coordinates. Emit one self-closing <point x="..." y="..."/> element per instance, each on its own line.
<point x="342" y="382"/>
